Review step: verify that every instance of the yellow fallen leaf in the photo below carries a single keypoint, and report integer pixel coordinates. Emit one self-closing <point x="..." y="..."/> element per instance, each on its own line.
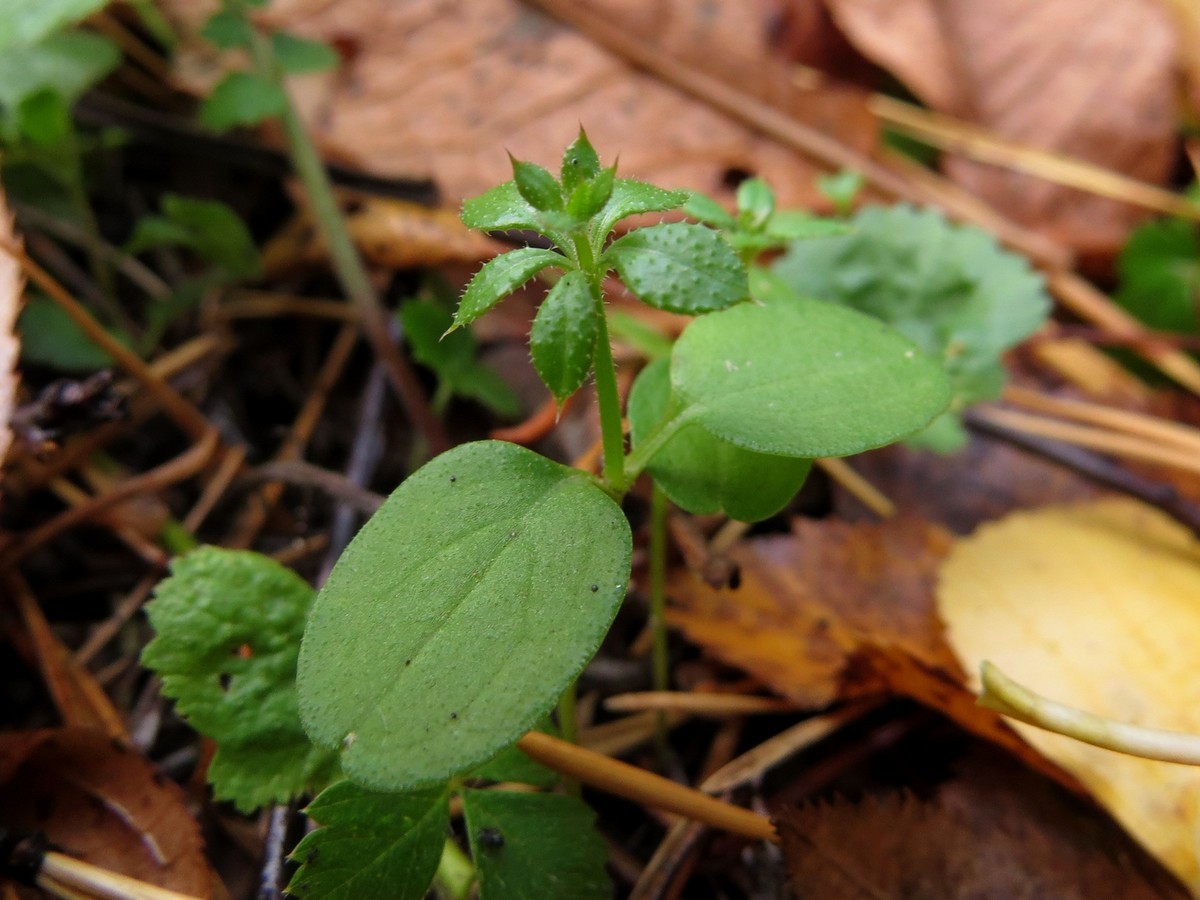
<point x="1096" y="606"/>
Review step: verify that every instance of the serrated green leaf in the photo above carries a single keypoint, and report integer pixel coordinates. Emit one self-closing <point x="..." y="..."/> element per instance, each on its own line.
<point x="563" y="338"/>
<point x="227" y="30"/>
<point x="499" y="277"/>
<point x="214" y="231"/>
<point x="242" y="99"/>
<point x="806" y="379"/>
<point x="1159" y="268"/>
<point x="755" y="203"/>
<point x="301" y="56"/>
<point x="580" y="163"/>
<point x="459" y="613"/>
<point x="708" y="210"/>
<point x="535" y="845"/>
<point x="536" y="185"/>
<point x="703" y="474"/>
<point x="26" y="22"/>
<point x="589" y="198"/>
<point x="679" y="267"/>
<point x="228" y="627"/>
<point x="371" y="844"/>
<point x="68" y="63"/>
<point x="950" y="288"/>
<point x="629" y="198"/>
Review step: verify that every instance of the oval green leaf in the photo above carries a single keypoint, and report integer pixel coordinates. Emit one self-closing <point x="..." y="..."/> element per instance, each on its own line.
<point x="703" y="474"/>
<point x="459" y="614"/>
<point x="563" y="338"/>
<point x="808" y="379"/>
<point x="680" y="267"/>
<point x="499" y="277"/>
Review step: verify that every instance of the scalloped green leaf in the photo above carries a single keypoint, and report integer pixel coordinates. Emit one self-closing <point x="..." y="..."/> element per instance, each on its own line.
<point x="228" y="626"/>
<point x="703" y="474"/>
<point x="461" y="611"/>
<point x="630" y="198"/>
<point x="563" y="337"/>
<point x="805" y="379"/>
<point x="679" y="267"/>
<point x="535" y="845"/>
<point x="499" y="277"/>
<point x="371" y="844"/>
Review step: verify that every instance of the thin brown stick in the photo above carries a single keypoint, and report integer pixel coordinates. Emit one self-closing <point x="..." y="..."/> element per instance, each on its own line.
<point x="265" y="305"/>
<point x="717" y="706"/>
<point x="866" y="493"/>
<point x="641" y="786"/>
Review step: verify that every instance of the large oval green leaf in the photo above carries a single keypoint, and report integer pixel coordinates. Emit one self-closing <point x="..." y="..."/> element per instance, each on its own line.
<point x="807" y="379"/>
<point x="459" y="614"/>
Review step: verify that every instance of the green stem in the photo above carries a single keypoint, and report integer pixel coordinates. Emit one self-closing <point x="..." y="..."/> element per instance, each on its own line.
<point x="608" y="397"/>
<point x="658" y="605"/>
<point x="568" y="727"/>
<point x="644" y="451"/>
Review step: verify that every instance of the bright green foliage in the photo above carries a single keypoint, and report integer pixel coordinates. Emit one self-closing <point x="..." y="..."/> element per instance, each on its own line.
<point x="500" y="209"/>
<point x="499" y="277"/>
<point x="454" y="358"/>
<point x="949" y="288"/>
<point x="563" y="337"/>
<point x="214" y="231"/>
<point x="371" y="844"/>
<point x="242" y="99"/>
<point x="229" y="625"/>
<point x="459" y="614"/>
<point x="26" y="22"/>
<point x="537" y="186"/>
<point x="535" y="845"/>
<point x="301" y="56"/>
<point x="702" y="473"/>
<point x="809" y="379"/>
<point x="589" y="197"/>
<point x="580" y="163"/>
<point x="1160" y="275"/>
<point x="50" y="337"/>
<point x="679" y="267"/>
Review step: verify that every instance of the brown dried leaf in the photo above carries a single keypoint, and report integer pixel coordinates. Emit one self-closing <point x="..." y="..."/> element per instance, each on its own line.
<point x="104" y="804"/>
<point x="996" y="830"/>
<point x="1093" y="79"/>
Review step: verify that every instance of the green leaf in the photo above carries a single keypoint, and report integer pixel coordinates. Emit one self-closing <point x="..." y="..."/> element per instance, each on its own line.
<point x="227" y="31"/>
<point x="790" y="225"/>
<point x="589" y="197"/>
<point x="808" y="379"/>
<point x="563" y="337"/>
<point x="629" y="198"/>
<point x="512" y="765"/>
<point x="949" y="288"/>
<point x="242" y="98"/>
<point x="1159" y="269"/>
<point x="536" y="185"/>
<point x="580" y="163"/>
<point x="228" y="626"/>
<point x="371" y="844"/>
<point x="679" y="267"/>
<point x="454" y="357"/>
<point x="300" y="56"/>
<point x="459" y="614"/>
<point x="500" y="209"/>
<point x="535" y="845"/>
<point x="708" y="210"/>
<point x="755" y="202"/>
<point x="841" y="188"/>
<point x="703" y="474"/>
<point x="501" y="276"/>
<point x="25" y="22"/>
<point x="68" y="63"/>
<point x="214" y="231"/>
<point x="49" y="337"/>
<point x="44" y="118"/>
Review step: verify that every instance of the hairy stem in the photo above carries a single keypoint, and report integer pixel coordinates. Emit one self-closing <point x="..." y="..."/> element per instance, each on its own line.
<point x="609" y="400"/>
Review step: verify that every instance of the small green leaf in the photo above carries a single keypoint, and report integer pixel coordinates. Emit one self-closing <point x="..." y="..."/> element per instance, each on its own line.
<point x="536" y="185"/>
<point x="228" y="626"/>
<point x="708" y="210"/>
<point x="679" y="267"/>
<point x="580" y="163"/>
<point x="703" y="474"/>
<point x="227" y="30"/>
<point x="499" y="277"/>
<point x="242" y="98"/>
<point x="755" y="202"/>
<point x="842" y="188"/>
<point x="563" y="337"/>
<point x="1159" y="269"/>
<point x="44" y="118"/>
<point x="589" y="197"/>
<point x="461" y="611"/>
<point x="535" y="845"/>
<point x="214" y="231"/>
<point x="68" y="63"/>
<point x="809" y="379"/>
<point x="629" y="198"/>
<point x="371" y="844"/>
<point x="790" y="225"/>
<point x="500" y="209"/>
<point x="25" y="22"/>
<point x="300" y="56"/>
<point x="49" y="337"/>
